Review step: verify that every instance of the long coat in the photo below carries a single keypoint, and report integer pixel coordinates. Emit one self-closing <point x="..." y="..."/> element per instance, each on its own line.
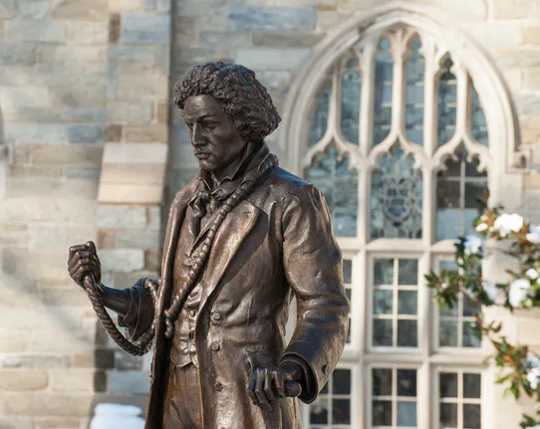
<point x="274" y="244"/>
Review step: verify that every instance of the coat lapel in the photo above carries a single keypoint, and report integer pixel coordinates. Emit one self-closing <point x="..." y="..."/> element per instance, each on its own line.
<point x="232" y="232"/>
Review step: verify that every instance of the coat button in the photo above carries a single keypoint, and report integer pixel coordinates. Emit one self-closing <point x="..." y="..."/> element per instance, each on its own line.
<point x="218" y="386"/>
<point x="193" y="313"/>
<point x="215" y="316"/>
<point x="215" y="346"/>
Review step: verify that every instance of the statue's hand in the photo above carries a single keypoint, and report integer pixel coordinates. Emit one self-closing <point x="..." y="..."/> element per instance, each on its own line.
<point x="83" y="260"/>
<point x="267" y="385"/>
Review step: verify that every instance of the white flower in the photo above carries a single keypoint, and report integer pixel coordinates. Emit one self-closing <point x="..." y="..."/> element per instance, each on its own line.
<point x="481" y="227"/>
<point x="534" y="234"/>
<point x="473" y="245"/>
<point x="492" y="291"/>
<point x="518" y="292"/>
<point x="507" y="223"/>
<point x="533" y="370"/>
<point x="532" y="273"/>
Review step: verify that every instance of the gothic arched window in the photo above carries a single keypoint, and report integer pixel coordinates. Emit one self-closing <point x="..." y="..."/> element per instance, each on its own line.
<point x="396" y="135"/>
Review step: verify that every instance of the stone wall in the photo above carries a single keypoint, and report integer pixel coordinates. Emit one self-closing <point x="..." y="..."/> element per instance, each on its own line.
<point x="85" y="104"/>
<point x="83" y="95"/>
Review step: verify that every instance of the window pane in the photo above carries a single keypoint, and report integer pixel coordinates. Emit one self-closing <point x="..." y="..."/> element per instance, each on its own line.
<point x="382" y="413"/>
<point x="448" y="415"/>
<point x="351" y="83"/>
<point x="382" y="332"/>
<point x="470" y="307"/>
<point x="341" y="411"/>
<point x="479" y="129"/>
<point x="382" y="381"/>
<point x="330" y="173"/>
<point x="319" y="117"/>
<point x="406" y="414"/>
<point x="471" y="335"/>
<point x="471" y="416"/>
<point x="382" y="301"/>
<point x="471" y="385"/>
<point x="407" y="303"/>
<point x="341" y="381"/>
<point x="406" y="382"/>
<point x="407" y="333"/>
<point x="460" y="192"/>
<point x="383" y="271"/>
<point x="414" y="93"/>
<point x="384" y="74"/>
<point x="448" y="333"/>
<point x="408" y="271"/>
<point x="447" y="104"/>
<point x="448" y="384"/>
<point x="396" y="197"/>
<point x="318" y="411"/>
<point x="347" y="270"/>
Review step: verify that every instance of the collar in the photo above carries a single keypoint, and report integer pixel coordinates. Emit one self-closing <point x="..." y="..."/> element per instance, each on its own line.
<point x="251" y="160"/>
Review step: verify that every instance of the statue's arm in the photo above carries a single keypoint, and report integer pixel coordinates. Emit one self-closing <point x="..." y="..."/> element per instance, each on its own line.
<point x="134" y="305"/>
<point x="312" y="264"/>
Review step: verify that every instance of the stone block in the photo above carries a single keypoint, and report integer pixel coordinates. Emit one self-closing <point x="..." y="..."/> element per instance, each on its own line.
<point x="128" y="382"/>
<point x="17" y="54"/>
<point x="70" y="379"/>
<point x="129" y="112"/>
<point x="57" y="237"/>
<point x="62" y="210"/>
<point x="82" y="33"/>
<point x="36" y="133"/>
<point x="60" y="423"/>
<point x="35" y="30"/>
<point x="153" y="217"/>
<point x="198" y="8"/>
<point x="152" y="260"/>
<point x="14" y="99"/>
<point x="119" y="6"/>
<point x="99" y="359"/>
<point x="147" y="134"/>
<point x="8" y="9"/>
<point x="288" y="39"/>
<point x="528" y="103"/>
<point x="43" y="154"/>
<point x="81" y="10"/>
<point x="34" y="360"/>
<point x="86" y="134"/>
<point x="84" y="114"/>
<point x="272" y="18"/>
<point x="106" y="239"/>
<point x="235" y="39"/>
<point x="531" y="79"/>
<point x="272" y="59"/>
<point x="138" y="238"/>
<point x="531" y="34"/>
<point x="117" y="216"/>
<point x="130" y="193"/>
<point x="36" y="9"/>
<point x="74" y="57"/>
<point x="23" y="379"/>
<point x="498" y="35"/>
<point x="511" y="9"/>
<point x="141" y="174"/>
<point x="122" y="260"/>
<point x="55" y="297"/>
<point x="141" y="86"/>
<point x="82" y="172"/>
<point x="14" y="341"/>
<point x="46" y="404"/>
<point x="136" y="153"/>
<point x="16" y="423"/>
<point x="139" y="28"/>
<point x="13" y="235"/>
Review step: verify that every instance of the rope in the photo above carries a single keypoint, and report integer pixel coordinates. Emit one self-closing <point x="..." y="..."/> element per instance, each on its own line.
<point x="145" y="341"/>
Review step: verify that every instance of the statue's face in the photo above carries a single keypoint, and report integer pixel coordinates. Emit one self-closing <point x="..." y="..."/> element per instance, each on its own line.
<point x="215" y="140"/>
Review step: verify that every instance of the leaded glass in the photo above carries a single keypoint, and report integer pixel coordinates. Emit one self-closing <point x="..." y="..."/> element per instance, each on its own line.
<point x="319" y="117"/>
<point x="384" y="77"/>
<point x="478" y="121"/>
<point x="414" y="93"/>
<point x="461" y="190"/>
<point x="351" y="83"/>
<point x="332" y="408"/>
<point x="396" y="197"/>
<point x="331" y="174"/>
<point x="447" y="104"/>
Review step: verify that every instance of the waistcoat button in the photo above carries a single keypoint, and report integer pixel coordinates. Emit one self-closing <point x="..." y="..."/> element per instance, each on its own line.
<point x="215" y="316"/>
<point x="215" y="346"/>
<point x="219" y="387"/>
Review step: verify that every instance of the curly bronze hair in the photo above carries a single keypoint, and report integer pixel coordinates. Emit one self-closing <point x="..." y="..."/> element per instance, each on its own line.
<point x="243" y="97"/>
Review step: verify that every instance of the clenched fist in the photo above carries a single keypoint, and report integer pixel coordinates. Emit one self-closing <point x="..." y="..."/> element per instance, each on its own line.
<point x="83" y="260"/>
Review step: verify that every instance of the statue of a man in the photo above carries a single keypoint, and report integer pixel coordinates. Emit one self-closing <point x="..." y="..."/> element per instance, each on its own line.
<point x="243" y="238"/>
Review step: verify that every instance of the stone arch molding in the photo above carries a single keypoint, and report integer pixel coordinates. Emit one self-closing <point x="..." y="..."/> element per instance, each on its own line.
<point x="506" y="154"/>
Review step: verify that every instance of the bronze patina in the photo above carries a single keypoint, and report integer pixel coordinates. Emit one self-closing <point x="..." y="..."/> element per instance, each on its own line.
<point x="242" y="239"/>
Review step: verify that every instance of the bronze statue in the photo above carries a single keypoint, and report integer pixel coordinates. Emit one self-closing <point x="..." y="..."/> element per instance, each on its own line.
<point x="242" y="239"/>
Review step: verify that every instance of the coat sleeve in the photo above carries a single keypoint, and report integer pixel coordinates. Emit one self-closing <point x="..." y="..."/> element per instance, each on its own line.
<point x="312" y="263"/>
<point x="140" y="314"/>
